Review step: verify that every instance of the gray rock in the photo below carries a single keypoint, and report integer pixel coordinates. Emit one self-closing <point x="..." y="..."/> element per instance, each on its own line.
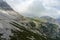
<point x="7" y="14"/>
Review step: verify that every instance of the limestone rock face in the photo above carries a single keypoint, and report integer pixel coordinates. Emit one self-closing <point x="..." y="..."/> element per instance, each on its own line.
<point x="7" y="14"/>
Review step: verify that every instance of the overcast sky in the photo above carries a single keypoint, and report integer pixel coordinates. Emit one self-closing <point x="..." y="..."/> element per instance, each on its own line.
<point x="36" y="7"/>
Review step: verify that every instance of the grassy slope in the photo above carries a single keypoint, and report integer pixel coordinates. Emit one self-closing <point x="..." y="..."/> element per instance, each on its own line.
<point x="34" y="30"/>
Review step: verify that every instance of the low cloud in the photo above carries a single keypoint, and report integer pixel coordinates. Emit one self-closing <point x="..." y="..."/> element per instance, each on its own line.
<point x="36" y="7"/>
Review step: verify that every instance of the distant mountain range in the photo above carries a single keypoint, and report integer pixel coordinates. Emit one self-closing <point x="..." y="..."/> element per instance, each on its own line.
<point x="50" y="19"/>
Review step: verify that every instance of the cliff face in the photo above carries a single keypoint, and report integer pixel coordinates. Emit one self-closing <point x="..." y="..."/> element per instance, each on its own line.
<point x="7" y="14"/>
<point x="7" y="11"/>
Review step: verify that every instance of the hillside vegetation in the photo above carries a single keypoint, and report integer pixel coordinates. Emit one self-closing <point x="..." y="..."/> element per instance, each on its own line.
<point x="35" y="29"/>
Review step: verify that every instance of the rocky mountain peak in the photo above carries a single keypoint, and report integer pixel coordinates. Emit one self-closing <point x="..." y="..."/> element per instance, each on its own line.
<point x="4" y="5"/>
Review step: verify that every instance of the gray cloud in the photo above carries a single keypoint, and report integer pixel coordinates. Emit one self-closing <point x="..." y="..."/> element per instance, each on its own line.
<point x="36" y="7"/>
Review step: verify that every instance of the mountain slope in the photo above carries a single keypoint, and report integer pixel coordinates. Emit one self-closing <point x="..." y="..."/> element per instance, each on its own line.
<point x="13" y="26"/>
<point x="45" y="31"/>
<point x="7" y="14"/>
